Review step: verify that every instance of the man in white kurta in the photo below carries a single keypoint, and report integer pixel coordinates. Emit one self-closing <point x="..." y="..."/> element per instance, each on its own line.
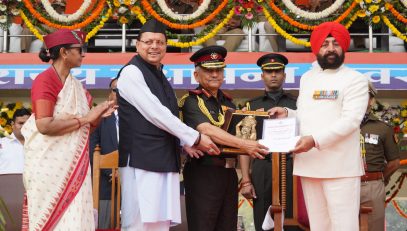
<point x="331" y="105"/>
<point x="11" y="169"/>
<point x="147" y="104"/>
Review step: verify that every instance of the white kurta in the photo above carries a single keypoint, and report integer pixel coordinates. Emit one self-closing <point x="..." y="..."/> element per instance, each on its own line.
<point x="11" y="155"/>
<point x="156" y="194"/>
<point x="334" y="123"/>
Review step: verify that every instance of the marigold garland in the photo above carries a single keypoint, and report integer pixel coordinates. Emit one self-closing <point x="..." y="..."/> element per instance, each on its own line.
<point x="398" y="209"/>
<point x="346" y="13"/>
<point x="147" y="7"/>
<point x="305" y="26"/>
<point x="101" y="24"/>
<point x="90" y="19"/>
<point x="282" y="32"/>
<point x="396" y="13"/>
<point x="31" y="27"/>
<point x="394" y="29"/>
<point x="199" y="40"/>
<point x="89" y="35"/>
<point x="351" y="20"/>
<point x="139" y="16"/>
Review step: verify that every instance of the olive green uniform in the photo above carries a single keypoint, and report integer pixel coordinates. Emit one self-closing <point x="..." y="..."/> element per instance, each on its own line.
<point x="381" y="147"/>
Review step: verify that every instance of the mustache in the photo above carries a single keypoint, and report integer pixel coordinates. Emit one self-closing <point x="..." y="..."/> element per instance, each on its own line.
<point x="331" y="53"/>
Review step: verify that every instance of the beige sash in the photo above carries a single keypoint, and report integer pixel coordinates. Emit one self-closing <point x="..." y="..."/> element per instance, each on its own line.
<point x="55" y="166"/>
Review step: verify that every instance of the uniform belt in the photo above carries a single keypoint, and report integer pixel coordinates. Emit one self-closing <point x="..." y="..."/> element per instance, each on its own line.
<point x="215" y="161"/>
<point x="369" y="176"/>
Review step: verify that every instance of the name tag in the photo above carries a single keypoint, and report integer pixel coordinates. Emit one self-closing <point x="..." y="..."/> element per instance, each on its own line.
<point x="324" y="94"/>
<point x="371" y="138"/>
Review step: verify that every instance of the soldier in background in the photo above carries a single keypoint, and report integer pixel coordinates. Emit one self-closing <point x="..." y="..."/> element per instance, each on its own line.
<point x="257" y="185"/>
<point x="381" y="159"/>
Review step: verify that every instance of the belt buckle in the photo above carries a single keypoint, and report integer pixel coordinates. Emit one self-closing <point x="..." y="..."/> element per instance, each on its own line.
<point x="230" y="163"/>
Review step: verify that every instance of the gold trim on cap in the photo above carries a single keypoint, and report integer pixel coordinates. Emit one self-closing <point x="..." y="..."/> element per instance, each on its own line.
<point x="213" y="64"/>
<point x="280" y="65"/>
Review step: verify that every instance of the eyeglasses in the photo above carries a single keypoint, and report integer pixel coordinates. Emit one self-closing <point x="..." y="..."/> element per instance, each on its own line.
<point x="159" y="43"/>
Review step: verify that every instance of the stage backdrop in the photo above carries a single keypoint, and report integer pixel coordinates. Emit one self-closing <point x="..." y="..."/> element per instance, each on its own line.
<point x="388" y="71"/>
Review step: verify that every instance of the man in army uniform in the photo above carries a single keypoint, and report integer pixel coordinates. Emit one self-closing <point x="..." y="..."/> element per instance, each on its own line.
<point x="381" y="159"/>
<point x="272" y="66"/>
<point x="211" y="182"/>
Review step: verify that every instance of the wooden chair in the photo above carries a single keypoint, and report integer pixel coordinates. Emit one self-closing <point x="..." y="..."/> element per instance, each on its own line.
<point x="107" y="161"/>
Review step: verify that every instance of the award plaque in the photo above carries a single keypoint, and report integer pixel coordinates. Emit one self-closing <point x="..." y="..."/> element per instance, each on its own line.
<point x="245" y="125"/>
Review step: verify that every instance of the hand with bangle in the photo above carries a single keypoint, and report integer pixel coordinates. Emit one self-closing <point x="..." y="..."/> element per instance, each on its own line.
<point x="247" y="189"/>
<point x="205" y="144"/>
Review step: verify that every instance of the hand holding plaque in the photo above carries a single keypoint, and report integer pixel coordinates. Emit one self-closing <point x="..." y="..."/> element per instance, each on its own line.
<point x="247" y="126"/>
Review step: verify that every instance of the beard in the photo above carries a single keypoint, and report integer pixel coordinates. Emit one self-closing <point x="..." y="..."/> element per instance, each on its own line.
<point x="328" y="63"/>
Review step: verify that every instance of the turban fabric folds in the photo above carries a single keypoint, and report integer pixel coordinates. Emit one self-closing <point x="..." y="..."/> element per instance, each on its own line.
<point x="334" y="29"/>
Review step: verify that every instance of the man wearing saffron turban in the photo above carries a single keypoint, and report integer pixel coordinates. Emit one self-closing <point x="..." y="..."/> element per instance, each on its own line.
<point x="331" y="104"/>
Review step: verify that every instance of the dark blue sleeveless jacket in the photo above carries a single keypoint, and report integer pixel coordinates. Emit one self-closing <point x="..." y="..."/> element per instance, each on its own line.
<point x="148" y="147"/>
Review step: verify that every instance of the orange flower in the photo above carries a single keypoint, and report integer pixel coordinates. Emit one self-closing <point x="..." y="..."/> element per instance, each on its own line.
<point x="396" y="13"/>
<point x="123" y="20"/>
<point x="147" y="7"/>
<point x="88" y="20"/>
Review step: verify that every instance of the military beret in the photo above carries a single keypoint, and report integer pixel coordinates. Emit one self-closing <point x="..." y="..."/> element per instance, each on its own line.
<point x="272" y="61"/>
<point x="211" y="57"/>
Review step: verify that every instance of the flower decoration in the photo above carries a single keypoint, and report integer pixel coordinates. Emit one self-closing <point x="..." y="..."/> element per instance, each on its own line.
<point x="40" y="22"/>
<point x="8" y="10"/>
<point x="250" y="10"/>
<point x="203" y="7"/>
<point x="123" y="11"/>
<point x="337" y="5"/>
<point x="373" y="9"/>
<point x="6" y="116"/>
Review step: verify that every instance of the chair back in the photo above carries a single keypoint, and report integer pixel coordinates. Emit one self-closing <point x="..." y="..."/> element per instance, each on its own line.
<point x="107" y="161"/>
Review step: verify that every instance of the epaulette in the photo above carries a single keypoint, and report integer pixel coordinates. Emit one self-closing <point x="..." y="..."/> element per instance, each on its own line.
<point x="227" y="96"/>
<point x="195" y="92"/>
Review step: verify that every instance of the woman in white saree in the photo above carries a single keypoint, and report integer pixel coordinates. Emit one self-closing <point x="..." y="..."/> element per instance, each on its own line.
<point x="56" y="172"/>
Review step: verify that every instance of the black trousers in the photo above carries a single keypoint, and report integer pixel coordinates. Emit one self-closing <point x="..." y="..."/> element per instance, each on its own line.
<point x="261" y="179"/>
<point x="211" y="197"/>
